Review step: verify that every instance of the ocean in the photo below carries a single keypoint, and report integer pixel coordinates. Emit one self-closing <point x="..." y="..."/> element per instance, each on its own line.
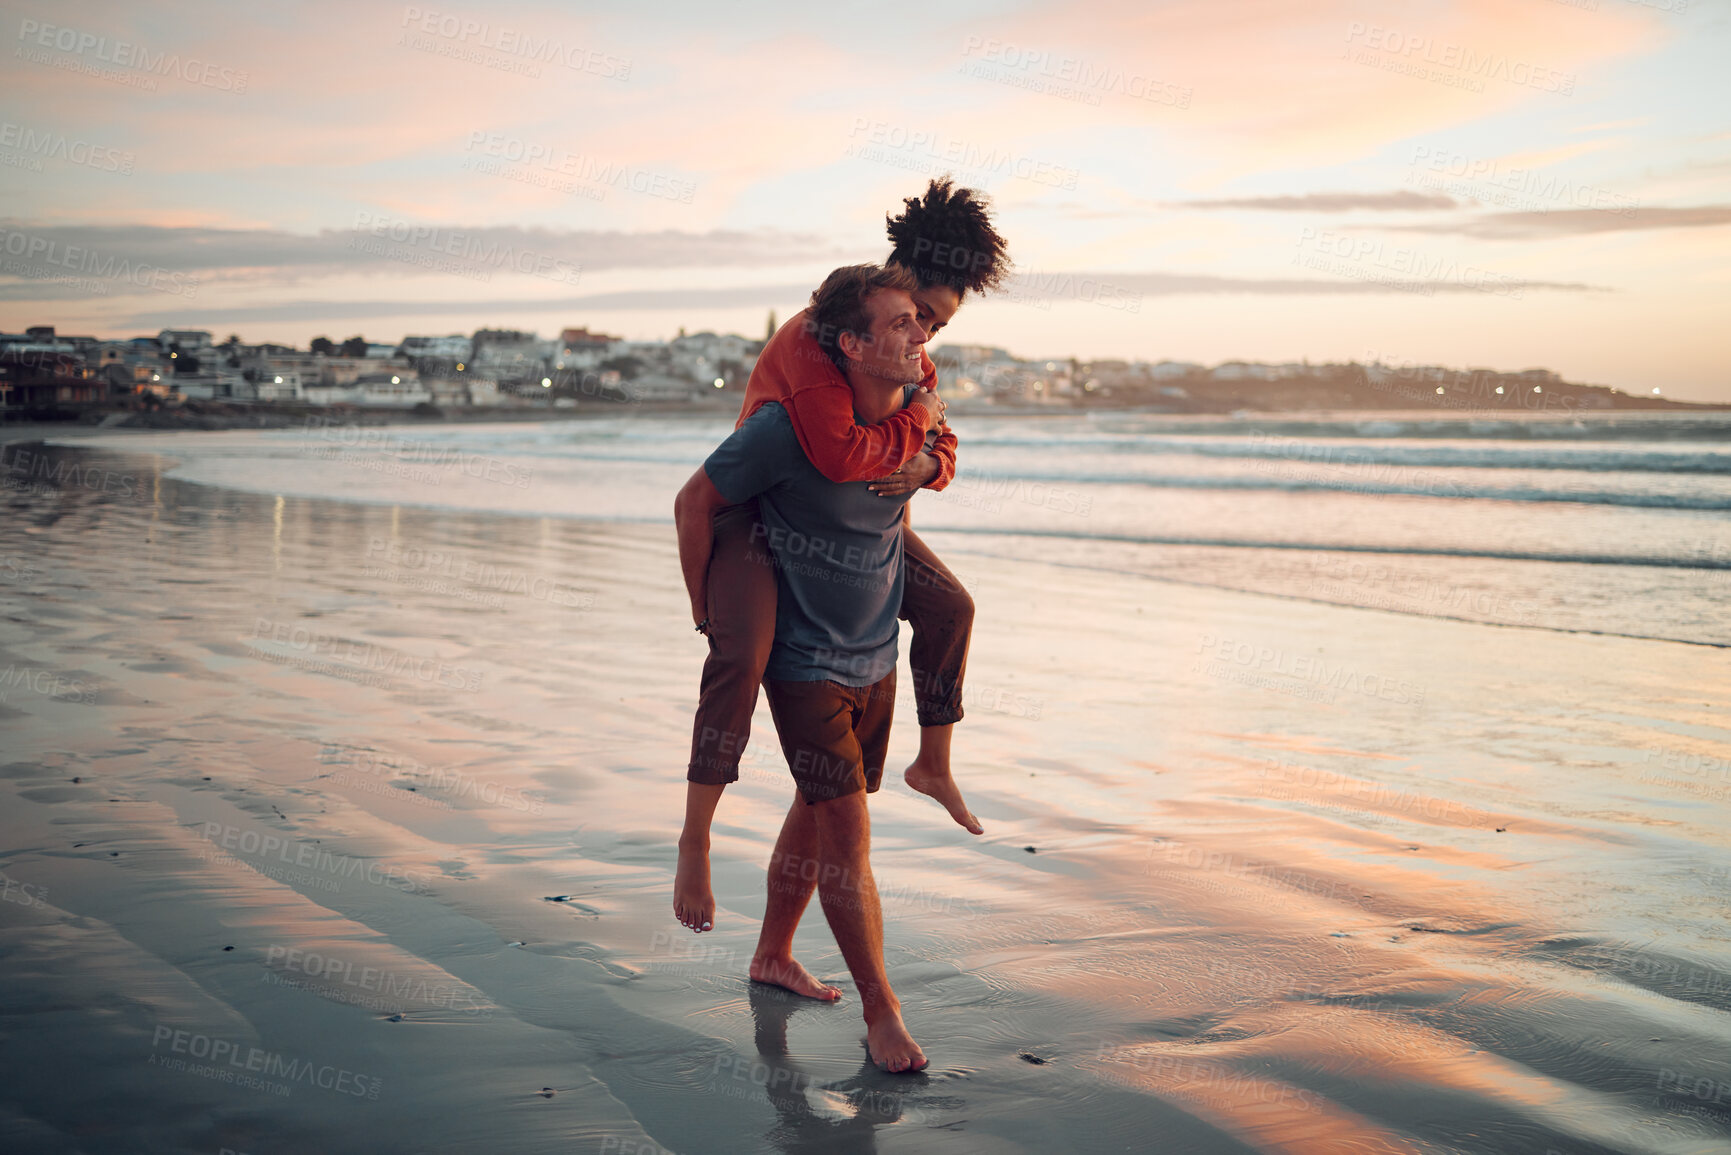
<point x="1617" y="524"/>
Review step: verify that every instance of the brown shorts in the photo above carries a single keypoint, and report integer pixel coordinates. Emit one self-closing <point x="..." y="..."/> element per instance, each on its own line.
<point x="835" y="737"/>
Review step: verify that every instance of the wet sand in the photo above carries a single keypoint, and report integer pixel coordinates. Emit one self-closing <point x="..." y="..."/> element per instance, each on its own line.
<point x="337" y="827"/>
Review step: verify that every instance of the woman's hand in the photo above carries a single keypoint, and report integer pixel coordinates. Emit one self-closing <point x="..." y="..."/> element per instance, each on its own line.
<point x="931" y="407"/>
<point x="919" y="470"/>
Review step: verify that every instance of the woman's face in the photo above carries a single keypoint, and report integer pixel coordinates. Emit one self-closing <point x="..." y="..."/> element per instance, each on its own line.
<point x="936" y="304"/>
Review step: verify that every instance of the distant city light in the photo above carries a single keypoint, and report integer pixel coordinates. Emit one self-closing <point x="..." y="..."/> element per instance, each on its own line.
<point x="546" y="382"/>
<point x="1655" y="392"/>
<point x="459" y="366"/>
<point x="720" y="384"/>
<point x="1439" y="389"/>
<point x="1499" y="388"/>
<point x="279" y="380"/>
<point x="1536" y="389"/>
<point x="394" y="380"/>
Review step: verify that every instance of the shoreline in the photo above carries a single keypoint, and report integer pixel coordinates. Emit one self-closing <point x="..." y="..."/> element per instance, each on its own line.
<point x="1401" y="580"/>
<point x="1632" y="423"/>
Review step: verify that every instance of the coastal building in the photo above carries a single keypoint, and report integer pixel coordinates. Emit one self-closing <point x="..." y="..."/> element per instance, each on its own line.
<point x="398" y="389"/>
<point x="455" y="347"/>
<point x="481" y="390"/>
<point x="580" y="349"/>
<point x="513" y="357"/>
<point x="662" y="387"/>
<point x="193" y="342"/>
<point x="710" y="357"/>
<point x="40" y="371"/>
<point x="284" y="386"/>
<point x="401" y="388"/>
<point x="127" y="366"/>
<point x="42" y="368"/>
<point x="1242" y="371"/>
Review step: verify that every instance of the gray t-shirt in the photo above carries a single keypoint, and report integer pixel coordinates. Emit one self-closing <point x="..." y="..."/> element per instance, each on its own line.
<point x="837" y="549"/>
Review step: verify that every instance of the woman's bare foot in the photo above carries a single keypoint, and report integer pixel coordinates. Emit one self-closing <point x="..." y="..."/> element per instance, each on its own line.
<point x="891" y="1047"/>
<point x="938" y="783"/>
<point x="790" y="975"/>
<point x="693" y="903"/>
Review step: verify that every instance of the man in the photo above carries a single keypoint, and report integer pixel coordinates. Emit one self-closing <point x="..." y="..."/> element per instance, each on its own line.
<point x="830" y="679"/>
<point x="947" y="239"/>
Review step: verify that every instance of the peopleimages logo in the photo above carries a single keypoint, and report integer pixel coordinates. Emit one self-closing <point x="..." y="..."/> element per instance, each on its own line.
<point x="1456" y="64"/>
<point x="1086" y="79"/>
<point x="579" y="166"/>
<point x="53" y="256"/>
<point x="341" y="435"/>
<point x="273" y="849"/>
<point x="362" y="657"/>
<point x="1305" y="669"/>
<point x="374" y="987"/>
<point x="87" y="45"/>
<point x="954" y="152"/>
<point x="228" y="1060"/>
<point x="465" y="247"/>
<point x="514" y="42"/>
<point x="1451" y="171"/>
<point x="43" y="145"/>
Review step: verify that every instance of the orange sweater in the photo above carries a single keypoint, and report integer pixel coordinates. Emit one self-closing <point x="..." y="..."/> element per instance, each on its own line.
<point x="794" y="370"/>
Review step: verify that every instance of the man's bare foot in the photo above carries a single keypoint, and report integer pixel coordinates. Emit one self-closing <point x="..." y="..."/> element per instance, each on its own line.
<point x="891" y="1047"/>
<point x="693" y="903"/>
<point x="938" y="783"/>
<point x="790" y="975"/>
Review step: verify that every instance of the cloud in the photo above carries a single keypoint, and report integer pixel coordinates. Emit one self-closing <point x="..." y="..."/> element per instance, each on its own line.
<point x="1090" y="286"/>
<point x="1029" y="286"/>
<point x="1329" y="202"/>
<point x="1577" y="222"/>
<point x="733" y="296"/>
<point x="1315" y="87"/>
<point x="390" y="244"/>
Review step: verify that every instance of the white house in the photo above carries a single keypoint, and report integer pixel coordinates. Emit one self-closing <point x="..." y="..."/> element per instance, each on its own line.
<point x="581" y="349"/>
<point x="399" y="389"/>
<point x="283" y="386"/>
<point x="1242" y="371"/>
<point x="192" y="342"/>
<point x="661" y="387"/>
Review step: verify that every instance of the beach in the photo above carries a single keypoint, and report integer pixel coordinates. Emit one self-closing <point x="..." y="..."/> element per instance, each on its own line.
<point x="342" y="783"/>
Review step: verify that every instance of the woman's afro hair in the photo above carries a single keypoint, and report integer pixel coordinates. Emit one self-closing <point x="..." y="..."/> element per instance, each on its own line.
<point x="947" y="238"/>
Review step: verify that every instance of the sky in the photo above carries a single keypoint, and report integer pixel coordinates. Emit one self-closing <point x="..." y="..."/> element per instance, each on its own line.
<point x="1505" y="184"/>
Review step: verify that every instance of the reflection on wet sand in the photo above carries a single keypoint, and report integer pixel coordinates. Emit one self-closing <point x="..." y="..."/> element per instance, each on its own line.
<point x="363" y="746"/>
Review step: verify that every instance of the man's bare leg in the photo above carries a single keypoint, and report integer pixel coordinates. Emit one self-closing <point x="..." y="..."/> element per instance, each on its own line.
<point x="929" y="773"/>
<point x="793" y="871"/>
<point x="693" y="901"/>
<point x="849" y="895"/>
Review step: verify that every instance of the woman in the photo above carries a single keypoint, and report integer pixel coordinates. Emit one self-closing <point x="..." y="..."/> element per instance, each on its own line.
<point x="946" y="238"/>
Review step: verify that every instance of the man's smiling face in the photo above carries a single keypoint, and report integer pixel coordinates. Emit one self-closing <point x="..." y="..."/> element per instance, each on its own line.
<point x="891" y="350"/>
